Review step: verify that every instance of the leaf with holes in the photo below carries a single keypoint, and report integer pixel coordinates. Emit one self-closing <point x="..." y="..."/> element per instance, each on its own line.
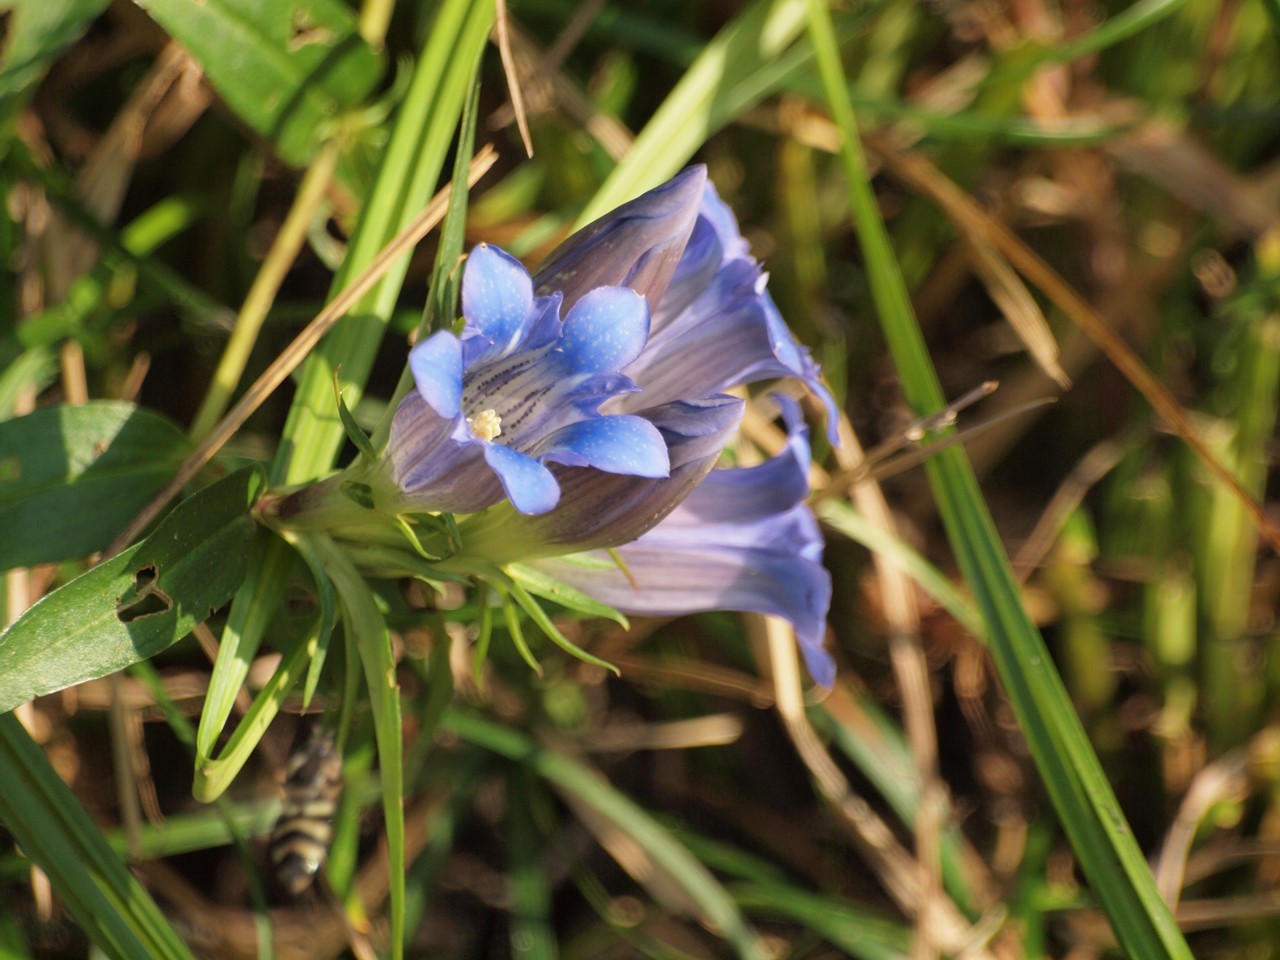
<point x="72" y="476"/>
<point x="137" y="603"/>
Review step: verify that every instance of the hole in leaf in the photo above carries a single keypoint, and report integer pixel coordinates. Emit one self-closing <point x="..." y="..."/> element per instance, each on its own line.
<point x="148" y="599"/>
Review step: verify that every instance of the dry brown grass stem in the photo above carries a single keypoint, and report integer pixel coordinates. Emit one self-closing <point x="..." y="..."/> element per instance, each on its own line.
<point x="940" y="924"/>
<point x="969" y="218"/>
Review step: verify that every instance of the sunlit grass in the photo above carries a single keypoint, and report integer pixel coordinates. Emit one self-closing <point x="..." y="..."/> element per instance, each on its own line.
<point x="1069" y="753"/>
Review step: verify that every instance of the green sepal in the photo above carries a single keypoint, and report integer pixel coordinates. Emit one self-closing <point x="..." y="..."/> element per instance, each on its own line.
<point x="328" y="615"/>
<point x="549" y="588"/>
<point x="539" y="616"/>
<point x="511" y="616"/>
<point x="359" y="439"/>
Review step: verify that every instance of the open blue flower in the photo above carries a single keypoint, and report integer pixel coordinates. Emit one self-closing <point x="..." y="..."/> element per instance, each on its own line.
<point x="604" y="510"/>
<point x="601" y="431"/>
<point x="519" y="390"/>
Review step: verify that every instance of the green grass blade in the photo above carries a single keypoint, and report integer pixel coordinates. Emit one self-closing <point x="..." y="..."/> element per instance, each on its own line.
<point x="582" y="785"/>
<point x="214" y="775"/>
<point x="859" y="933"/>
<point x="1085" y="802"/>
<point x="364" y="623"/>
<point x="414" y="158"/>
<point x="56" y="833"/>
<point x="732" y="73"/>
<point x="285" y="69"/>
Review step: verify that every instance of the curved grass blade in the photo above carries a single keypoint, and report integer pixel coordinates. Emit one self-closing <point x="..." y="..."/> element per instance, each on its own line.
<point x="1116" y="870"/>
<point x="55" y="832"/>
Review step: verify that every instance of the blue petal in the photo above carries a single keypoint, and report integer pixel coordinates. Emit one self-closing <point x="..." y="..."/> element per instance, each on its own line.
<point x="678" y="569"/>
<point x="605" y="330"/>
<point x="747" y="494"/>
<point x="618" y="444"/>
<point x="437" y="370"/>
<point x="529" y="485"/>
<point x="600" y="509"/>
<point x="720" y="215"/>
<point x="497" y="296"/>
<point x="697" y="429"/>
<point x="702" y="257"/>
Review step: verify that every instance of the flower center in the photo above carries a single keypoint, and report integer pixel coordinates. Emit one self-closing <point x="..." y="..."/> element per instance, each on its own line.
<point x="486" y="425"/>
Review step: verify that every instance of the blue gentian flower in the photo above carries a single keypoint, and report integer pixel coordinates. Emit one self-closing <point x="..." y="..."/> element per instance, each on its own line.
<point x="519" y="390"/>
<point x="581" y="410"/>
<point x="602" y="510"/>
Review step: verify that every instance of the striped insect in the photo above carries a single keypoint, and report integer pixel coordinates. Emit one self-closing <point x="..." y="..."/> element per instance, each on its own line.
<point x="312" y="789"/>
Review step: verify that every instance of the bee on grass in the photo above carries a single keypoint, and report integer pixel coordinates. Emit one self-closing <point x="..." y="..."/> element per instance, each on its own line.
<point x="312" y="789"/>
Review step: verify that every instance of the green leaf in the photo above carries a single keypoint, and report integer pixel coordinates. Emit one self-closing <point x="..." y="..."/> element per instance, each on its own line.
<point x="285" y="69"/>
<point x="72" y="476"/>
<point x="138" y="603"/>
<point x="35" y="32"/>
<point x="55" y="832"/>
<point x="357" y="436"/>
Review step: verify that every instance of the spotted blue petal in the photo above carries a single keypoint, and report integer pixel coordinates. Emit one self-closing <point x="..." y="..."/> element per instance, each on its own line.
<point x="529" y="485"/>
<point x="605" y="330"/>
<point x="618" y="444"/>
<point x="497" y="296"/>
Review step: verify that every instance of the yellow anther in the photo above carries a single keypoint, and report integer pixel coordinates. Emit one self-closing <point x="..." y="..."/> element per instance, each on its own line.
<point x="486" y="425"/>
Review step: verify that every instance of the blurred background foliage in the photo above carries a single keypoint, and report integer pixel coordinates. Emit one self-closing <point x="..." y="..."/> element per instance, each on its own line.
<point x="692" y="808"/>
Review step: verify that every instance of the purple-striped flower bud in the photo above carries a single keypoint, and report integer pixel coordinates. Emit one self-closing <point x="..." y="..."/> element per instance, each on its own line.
<point x="638" y="245"/>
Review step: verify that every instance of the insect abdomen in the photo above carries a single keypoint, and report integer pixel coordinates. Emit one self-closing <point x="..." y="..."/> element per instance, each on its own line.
<point x="312" y="789"/>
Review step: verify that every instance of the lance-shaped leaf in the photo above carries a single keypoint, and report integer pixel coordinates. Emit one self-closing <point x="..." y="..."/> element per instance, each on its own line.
<point x="137" y="603"/>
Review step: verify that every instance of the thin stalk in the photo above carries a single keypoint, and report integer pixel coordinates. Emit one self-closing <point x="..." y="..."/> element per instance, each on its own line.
<point x="280" y="258"/>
